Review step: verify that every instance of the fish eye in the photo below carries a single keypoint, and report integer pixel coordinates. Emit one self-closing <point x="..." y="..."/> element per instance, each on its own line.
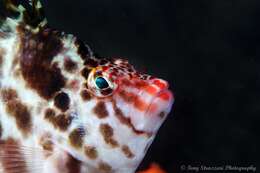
<point x="101" y="83"/>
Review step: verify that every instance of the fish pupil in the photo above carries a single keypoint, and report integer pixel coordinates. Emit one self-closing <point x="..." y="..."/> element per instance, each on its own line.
<point x="101" y="83"/>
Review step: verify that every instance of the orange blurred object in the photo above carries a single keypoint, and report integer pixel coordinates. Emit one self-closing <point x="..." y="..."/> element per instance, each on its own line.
<point x="154" y="168"/>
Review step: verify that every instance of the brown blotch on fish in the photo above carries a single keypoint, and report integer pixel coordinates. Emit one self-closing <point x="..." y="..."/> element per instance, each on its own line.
<point x="62" y="101"/>
<point x="91" y="152"/>
<point x="90" y="62"/>
<point x="85" y="72"/>
<point x="103" y="62"/>
<point x="13" y="160"/>
<point x="85" y="95"/>
<point x="8" y="94"/>
<point x="21" y="114"/>
<point x="70" y="65"/>
<point x="76" y="137"/>
<point x="36" y="65"/>
<point x="73" y="165"/>
<point x="61" y="121"/>
<point x="107" y="133"/>
<point x="104" y="167"/>
<point x="83" y="50"/>
<point x="100" y="110"/>
<point x="126" y="150"/>
<point x="49" y="113"/>
<point x="47" y="144"/>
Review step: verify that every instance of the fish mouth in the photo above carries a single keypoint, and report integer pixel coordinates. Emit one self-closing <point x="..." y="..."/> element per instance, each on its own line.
<point x="159" y="107"/>
<point x="161" y="102"/>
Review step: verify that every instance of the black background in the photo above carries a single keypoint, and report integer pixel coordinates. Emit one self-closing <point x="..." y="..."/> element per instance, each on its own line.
<point x="209" y="52"/>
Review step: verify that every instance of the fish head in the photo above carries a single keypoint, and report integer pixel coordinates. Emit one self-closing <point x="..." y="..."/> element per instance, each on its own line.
<point x="142" y="99"/>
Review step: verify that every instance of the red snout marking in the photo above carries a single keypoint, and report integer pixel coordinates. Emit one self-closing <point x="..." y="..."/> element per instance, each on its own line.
<point x="161" y="83"/>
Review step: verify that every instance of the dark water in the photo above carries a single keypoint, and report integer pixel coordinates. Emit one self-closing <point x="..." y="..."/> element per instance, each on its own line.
<point x="209" y="52"/>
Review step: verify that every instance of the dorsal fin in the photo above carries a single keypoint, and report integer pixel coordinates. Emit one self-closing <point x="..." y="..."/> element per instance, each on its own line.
<point x="29" y="13"/>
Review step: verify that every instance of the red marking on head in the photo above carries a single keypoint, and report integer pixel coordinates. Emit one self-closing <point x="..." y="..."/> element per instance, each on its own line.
<point x="160" y="83"/>
<point x="165" y="96"/>
<point x="105" y="68"/>
<point x="140" y="104"/>
<point x="140" y="84"/>
<point x="133" y="98"/>
<point x="151" y="90"/>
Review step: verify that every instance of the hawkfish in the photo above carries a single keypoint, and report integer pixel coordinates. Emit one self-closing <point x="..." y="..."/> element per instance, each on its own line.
<point x="63" y="109"/>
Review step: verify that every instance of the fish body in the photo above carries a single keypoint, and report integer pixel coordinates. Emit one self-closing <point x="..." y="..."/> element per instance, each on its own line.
<point x="63" y="109"/>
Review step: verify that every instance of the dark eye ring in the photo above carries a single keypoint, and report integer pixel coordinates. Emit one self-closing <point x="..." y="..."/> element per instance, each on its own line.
<point x="101" y="83"/>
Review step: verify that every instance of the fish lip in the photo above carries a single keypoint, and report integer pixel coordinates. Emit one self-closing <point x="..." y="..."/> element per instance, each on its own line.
<point x="170" y="103"/>
<point x="143" y="126"/>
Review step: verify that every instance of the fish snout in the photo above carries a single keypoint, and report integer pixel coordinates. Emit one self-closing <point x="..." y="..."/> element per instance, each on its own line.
<point x="156" y="104"/>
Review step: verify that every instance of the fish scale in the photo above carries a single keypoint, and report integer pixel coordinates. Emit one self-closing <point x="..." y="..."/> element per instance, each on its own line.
<point x="62" y="109"/>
